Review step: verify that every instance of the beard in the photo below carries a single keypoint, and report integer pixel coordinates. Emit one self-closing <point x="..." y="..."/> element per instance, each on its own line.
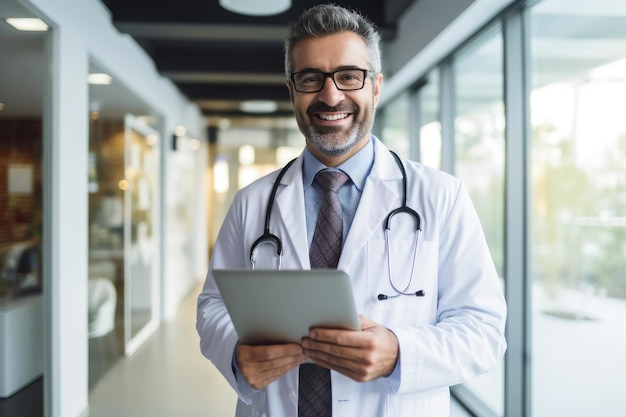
<point x="335" y="141"/>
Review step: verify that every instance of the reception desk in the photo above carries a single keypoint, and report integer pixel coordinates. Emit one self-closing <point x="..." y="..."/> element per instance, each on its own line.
<point x="21" y="342"/>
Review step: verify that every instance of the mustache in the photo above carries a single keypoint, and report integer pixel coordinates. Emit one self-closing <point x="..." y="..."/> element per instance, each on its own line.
<point x="319" y="107"/>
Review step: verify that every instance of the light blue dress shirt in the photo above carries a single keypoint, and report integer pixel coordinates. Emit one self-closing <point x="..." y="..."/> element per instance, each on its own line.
<point x="357" y="168"/>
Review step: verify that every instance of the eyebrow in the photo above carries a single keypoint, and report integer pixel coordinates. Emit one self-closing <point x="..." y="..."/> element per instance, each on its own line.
<point x="344" y="67"/>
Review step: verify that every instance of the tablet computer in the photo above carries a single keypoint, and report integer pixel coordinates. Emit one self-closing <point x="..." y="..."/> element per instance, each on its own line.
<point x="271" y="307"/>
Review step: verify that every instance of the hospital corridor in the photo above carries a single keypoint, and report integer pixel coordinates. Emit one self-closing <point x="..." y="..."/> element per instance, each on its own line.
<point x="132" y="132"/>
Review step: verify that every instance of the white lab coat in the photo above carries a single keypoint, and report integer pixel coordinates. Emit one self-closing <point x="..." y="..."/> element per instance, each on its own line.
<point x="453" y="333"/>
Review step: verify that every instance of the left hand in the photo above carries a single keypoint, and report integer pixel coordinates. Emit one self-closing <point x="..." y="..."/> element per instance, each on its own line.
<point x="363" y="356"/>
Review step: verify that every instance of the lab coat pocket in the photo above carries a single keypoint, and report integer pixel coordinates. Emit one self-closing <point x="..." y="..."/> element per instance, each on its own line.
<point x="386" y="271"/>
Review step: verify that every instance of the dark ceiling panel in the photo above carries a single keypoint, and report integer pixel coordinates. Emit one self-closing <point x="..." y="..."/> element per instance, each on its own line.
<point x="239" y="57"/>
<point x="209" y="11"/>
<point x="224" y="91"/>
<point x="214" y="55"/>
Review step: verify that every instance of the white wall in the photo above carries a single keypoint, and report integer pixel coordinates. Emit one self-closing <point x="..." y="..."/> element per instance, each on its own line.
<point x="82" y="29"/>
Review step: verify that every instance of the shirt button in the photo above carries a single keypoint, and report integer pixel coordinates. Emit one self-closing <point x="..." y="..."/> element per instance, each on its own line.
<point x="292" y="394"/>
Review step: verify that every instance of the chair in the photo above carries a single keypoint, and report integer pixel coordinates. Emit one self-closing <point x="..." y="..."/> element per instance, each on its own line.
<point x="102" y="301"/>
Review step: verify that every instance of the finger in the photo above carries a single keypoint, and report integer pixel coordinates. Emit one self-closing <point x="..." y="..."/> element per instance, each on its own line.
<point x="261" y="365"/>
<point x="351" y="369"/>
<point x="268" y="353"/>
<point x="338" y="337"/>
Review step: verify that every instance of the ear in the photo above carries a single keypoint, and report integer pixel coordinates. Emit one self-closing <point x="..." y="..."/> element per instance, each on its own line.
<point x="289" y="88"/>
<point x="377" y="84"/>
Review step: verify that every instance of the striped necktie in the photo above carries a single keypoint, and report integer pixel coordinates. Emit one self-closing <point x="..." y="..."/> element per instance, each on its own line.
<point x="315" y="397"/>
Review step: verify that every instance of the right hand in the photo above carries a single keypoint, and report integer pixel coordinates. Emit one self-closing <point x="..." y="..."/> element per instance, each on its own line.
<point x="262" y="365"/>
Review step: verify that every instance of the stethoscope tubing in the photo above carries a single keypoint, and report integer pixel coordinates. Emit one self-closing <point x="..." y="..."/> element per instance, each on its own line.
<point x="275" y="241"/>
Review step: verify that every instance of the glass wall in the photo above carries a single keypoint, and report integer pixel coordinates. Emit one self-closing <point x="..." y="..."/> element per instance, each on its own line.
<point x="141" y="231"/>
<point x="479" y="150"/>
<point x="124" y="222"/>
<point x="430" y="121"/>
<point x="396" y="133"/>
<point x="24" y="70"/>
<point x="578" y="194"/>
<point x="566" y="65"/>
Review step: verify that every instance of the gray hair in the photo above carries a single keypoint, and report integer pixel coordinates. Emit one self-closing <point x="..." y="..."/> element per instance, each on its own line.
<point x="328" y="19"/>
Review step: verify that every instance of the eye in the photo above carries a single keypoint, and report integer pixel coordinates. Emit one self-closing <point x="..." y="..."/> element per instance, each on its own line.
<point x="309" y="78"/>
<point x="350" y="76"/>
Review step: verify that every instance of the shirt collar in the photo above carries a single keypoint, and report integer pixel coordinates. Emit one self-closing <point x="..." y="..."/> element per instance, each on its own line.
<point x="357" y="167"/>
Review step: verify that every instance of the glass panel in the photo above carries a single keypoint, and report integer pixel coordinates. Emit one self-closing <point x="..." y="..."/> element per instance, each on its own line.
<point x="396" y="133"/>
<point x="141" y="203"/>
<point x="430" y="129"/>
<point x="21" y="146"/>
<point x="24" y="73"/>
<point x="578" y="165"/>
<point x="106" y="244"/>
<point x="479" y="149"/>
<point x="111" y="227"/>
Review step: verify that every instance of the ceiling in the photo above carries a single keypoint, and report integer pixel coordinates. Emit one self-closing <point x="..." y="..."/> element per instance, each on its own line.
<point x="218" y="58"/>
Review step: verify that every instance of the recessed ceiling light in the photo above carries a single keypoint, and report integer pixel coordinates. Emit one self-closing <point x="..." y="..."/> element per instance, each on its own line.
<point x="258" y="106"/>
<point x="256" y="7"/>
<point x="99" y="78"/>
<point x="28" y="24"/>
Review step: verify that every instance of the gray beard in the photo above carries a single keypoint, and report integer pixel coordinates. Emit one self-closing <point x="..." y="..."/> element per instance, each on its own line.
<point x="333" y="142"/>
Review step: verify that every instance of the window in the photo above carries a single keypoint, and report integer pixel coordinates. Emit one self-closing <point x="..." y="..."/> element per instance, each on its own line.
<point x="396" y="134"/>
<point x="578" y="194"/>
<point x="479" y="150"/>
<point x="430" y="121"/>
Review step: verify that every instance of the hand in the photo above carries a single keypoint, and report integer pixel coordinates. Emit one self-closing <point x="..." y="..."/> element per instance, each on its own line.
<point x="262" y="365"/>
<point x="362" y="356"/>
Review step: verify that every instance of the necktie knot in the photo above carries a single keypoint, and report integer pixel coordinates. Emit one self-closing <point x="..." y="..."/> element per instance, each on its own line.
<point x="331" y="180"/>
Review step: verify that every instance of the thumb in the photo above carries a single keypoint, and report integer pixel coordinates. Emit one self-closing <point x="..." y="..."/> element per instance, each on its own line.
<point x="366" y="323"/>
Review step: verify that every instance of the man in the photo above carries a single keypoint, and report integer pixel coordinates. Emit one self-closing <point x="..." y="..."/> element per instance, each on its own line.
<point x="410" y="348"/>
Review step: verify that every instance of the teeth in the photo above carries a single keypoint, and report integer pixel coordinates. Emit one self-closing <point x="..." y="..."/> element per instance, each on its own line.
<point x="331" y="117"/>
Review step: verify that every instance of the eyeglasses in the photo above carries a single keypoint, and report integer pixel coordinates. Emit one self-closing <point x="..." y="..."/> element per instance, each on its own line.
<point x="345" y="80"/>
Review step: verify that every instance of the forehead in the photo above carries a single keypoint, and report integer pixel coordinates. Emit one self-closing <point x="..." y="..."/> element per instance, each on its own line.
<point x="329" y="52"/>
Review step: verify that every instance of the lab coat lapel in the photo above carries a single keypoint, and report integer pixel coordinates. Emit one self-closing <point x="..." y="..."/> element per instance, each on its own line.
<point x="378" y="199"/>
<point x="290" y="207"/>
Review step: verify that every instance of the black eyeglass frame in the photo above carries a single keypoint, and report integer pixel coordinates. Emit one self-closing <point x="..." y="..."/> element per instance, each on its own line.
<point x="366" y="74"/>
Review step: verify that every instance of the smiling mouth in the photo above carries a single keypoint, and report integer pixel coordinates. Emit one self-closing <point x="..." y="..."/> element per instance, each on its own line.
<point x="333" y="117"/>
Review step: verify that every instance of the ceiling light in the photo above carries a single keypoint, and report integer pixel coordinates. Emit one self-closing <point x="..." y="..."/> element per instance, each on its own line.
<point x="256" y="7"/>
<point x="29" y="24"/>
<point x="99" y="79"/>
<point x="258" y="106"/>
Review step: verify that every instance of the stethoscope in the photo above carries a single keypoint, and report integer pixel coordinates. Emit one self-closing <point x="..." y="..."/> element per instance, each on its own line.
<point x="269" y="238"/>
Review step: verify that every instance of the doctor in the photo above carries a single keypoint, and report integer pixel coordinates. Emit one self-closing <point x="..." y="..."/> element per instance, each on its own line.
<point x="410" y="349"/>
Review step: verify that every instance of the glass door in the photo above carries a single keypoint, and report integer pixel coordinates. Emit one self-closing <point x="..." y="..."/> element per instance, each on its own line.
<point x="141" y="234"/>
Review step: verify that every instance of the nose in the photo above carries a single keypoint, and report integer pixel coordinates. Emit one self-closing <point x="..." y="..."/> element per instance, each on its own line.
<point x="329" y="93"/>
